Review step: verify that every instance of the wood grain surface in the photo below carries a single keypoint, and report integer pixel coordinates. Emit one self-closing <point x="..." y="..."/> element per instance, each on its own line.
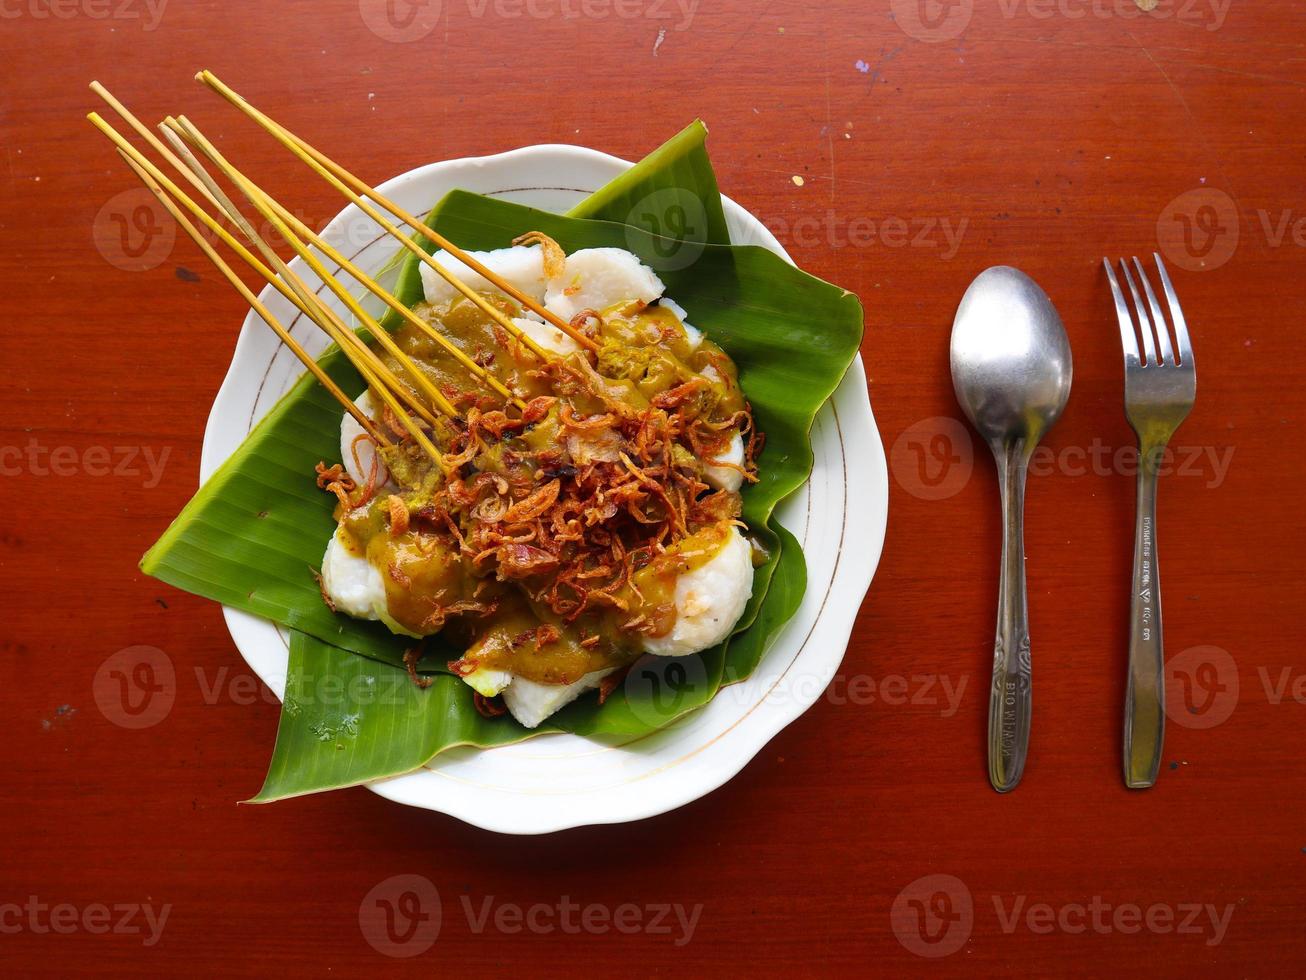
<point x="896" y="148"/>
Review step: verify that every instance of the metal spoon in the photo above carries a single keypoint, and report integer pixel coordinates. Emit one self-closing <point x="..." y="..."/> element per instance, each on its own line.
<point x="1011" y="370"/>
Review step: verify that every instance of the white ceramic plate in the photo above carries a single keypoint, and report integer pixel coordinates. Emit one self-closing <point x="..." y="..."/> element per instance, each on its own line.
<point x="558" y="781"/>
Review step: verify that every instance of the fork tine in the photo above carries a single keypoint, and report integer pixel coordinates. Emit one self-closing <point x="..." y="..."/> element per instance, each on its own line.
<point x="1163" y="347"/>
<point x="1122" y="313"/>
<point x="1144" y="321"/>
<point x="1176" y="314"/>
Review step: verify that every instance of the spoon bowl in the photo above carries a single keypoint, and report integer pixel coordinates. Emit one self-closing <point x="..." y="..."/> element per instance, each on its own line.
<point x="1011" y="364"/>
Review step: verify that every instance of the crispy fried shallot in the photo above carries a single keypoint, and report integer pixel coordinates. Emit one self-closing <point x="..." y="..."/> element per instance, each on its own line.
<point x="568" y="498"/>
<point x="334" y="479"/>
<point x="411" y="657"/>
<point x="398" y="511"/>
<point x="555" y="259"/>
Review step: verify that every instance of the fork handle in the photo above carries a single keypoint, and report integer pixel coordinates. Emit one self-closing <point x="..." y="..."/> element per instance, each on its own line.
<point x="1010" y="701"/>
<point x="1145" y="698"/>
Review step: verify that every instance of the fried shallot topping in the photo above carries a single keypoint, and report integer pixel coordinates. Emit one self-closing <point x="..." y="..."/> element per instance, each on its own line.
<point x="398" y="515"/>
<point x="568" y="498"/>
<point x="488" y="707"/>
<point x="334" y="479"/>
<point x="628" y="491"/>
<point x="555" y="259"/>
<point x="411" y="657"/>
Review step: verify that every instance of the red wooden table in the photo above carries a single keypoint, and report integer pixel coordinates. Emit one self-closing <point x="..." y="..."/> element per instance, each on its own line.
<point x="896" y="148"/>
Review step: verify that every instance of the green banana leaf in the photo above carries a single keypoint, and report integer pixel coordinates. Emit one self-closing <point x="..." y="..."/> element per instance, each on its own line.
<point x="251" y="534"/>
<point x="348" y="720"/>
<point x="671" y="193"/>
<point x="785" y="396"/>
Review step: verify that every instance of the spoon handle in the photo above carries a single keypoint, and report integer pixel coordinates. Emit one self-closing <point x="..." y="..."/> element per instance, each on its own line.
<point x="1010" y="697"/>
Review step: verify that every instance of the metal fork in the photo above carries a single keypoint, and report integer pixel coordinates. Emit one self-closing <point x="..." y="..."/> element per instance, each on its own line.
<point x="1159" y="392"/>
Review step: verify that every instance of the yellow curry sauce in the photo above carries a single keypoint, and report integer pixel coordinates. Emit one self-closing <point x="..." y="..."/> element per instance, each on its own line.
<point x="643" y="352"/>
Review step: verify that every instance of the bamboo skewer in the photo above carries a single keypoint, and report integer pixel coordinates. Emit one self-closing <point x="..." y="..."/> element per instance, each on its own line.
<point x="282" y="219"/>
<point x="339" y="177"/>
<point x="191" y="170"/>
<point x="373" y="370"/>
<point x="199" y="178"/>
<point x="293" y="288"/>
<point x="381" y="293"/>
<point x="392" y="301"/>
<point x="368" y="364"/>
<point x="311" y="307"/>
<point x="470" y="294"/>
<point x="255" y="196"/>
<point x="325" y="379"/>
<point x="367" y="372"/>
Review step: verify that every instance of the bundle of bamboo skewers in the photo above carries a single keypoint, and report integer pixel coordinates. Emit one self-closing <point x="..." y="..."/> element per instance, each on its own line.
<point x="415" y="402"/>
<point x="586" y="494"/>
